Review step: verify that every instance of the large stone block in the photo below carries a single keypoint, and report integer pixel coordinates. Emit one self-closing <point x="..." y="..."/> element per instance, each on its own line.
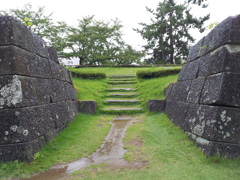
<point x="225" y="32"/>
<point x="12" y="32"/>
<point x="177" y="112"/>
<point x="195" y="92"/>
<point x="222" y="89"/>
<point x="215" y="123"/>
<point x="196" y="50"/>
<point x="14" y="60"/>
<point x="180" y="90"/>
<point x="212" y="89"/>
<point x="21" y="91"/>
<point x="53" y="54"/>
<point x="213" y="148"/>
<point x="224" y="59"/>
<point x="57" y="71"/>
<point x="73" y="108"/>
<point x="59" y="113"/>
<point x="156" y="105"/>
<point x="70" y="92"/>
<point x="24" y="124"/>
<point x="21" y="151"/>
<point x="168" y="90"/>
<point x="189" y="71"/>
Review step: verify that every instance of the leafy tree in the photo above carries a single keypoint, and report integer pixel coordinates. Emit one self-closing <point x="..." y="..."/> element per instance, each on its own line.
<point x="98" y="42"/>
<point x="168" y="34"/>
<point x="36" y="21"/>
<point x="41" y="24"/>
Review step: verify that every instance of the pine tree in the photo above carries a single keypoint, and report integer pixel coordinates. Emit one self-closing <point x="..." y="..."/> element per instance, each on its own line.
<point x="168" y="34"/>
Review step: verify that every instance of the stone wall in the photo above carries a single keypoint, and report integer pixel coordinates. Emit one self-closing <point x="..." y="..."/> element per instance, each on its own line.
<point x="205" y="102"/>
<point x="37" y="97"/>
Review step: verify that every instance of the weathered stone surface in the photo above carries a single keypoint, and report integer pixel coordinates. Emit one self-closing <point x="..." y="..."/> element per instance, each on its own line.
<point x="195" y="50"/>
<point x="168" y="90"/>
<point x="87" y="107"/>
<point x="215" y="123"/>
<point x="212" y="148"/>
<point x="24" y="124"/>
<point x="21" y="91"/>
<point x="14" y="60"/>
<point x="71" y="92"/>
<point x="21" y="151"/>
<point x="72" y="107"/>
<point x="224" y="59"/>
<point x="156" y="105"/>
<point x="211" y="90"/>
<point x="59" y="113"/>
<point x="225" y="32"/>
<point x="57" y="71"/>
<point x="211" y="81"/>
<point x="189" y="71"/>
<point x="52" y="134"/>
<point x="68" y="75"/>
<point x="12" y="32"/>
<point x="53" y="54"/>
<point x="177" y="112"/>
<point x="180" y="91"/>
<point x="195" y="92"/>
<point x="222" y="89"/>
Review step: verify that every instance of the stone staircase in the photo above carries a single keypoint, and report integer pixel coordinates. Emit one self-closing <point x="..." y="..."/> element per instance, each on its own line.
<point x="121" y="95"/>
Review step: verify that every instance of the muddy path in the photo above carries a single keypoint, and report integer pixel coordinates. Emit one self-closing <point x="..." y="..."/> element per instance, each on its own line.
<point x="111" y="152"/>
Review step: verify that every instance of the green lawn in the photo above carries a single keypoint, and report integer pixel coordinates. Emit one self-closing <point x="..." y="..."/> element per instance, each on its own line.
<point x="167" y="150"/>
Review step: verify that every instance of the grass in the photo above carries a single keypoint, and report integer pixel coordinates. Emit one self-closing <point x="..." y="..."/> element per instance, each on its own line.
<point x="170" y="155"/>
<point x="88" y="89"/>
<point x="154" y="88"/>
<point x="168" y="151"/>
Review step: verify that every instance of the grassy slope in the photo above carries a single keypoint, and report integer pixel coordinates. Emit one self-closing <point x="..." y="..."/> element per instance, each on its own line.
<point x="166" y="148"/>
<point x="154" y="88"/>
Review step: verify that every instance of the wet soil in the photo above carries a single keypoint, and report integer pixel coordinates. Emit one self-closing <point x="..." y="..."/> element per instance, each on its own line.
<point x="111" y="152"/>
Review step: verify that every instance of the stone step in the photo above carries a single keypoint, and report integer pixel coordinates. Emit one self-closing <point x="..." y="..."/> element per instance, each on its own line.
<point x="121" y="95"/>
<point x="120" y="89"/>
<point x="121" y="82"/>
<point x="128" y="79"/>
<point x="131" y="101"/>
<point x="123" y="110"/>
<point x="121" y="76"/>
<point x="122" y="118"/>
<point x="121" y="85"/>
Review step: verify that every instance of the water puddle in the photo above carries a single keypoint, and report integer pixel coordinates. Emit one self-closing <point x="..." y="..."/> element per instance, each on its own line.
<point x="111" y="152"/>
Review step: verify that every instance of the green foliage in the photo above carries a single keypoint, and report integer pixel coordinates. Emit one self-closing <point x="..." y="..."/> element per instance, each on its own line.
<point x="212" y="25"/>
<point x="88" y="75"/>
<point x="168" y="34"/>
<point x="96" y="42"/>
<point x="148" y="74"/>
<point x="40" y="23"/>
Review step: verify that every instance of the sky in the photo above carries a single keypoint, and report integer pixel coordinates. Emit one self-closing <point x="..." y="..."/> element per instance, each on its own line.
<point x="129" y="12"/>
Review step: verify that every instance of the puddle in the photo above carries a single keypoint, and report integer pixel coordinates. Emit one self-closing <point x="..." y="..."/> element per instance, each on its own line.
<point x="111" y="152"/>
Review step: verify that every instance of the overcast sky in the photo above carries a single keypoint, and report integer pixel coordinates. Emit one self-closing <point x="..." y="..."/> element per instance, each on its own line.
<point x="130" y="12"/>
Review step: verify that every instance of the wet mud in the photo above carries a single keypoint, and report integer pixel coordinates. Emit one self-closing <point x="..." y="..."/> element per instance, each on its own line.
<point x="111" y="152"/>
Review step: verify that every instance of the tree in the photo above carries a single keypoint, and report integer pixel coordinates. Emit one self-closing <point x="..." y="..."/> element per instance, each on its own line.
<point x="41" y="24"/>
<point x="98" y="42"/>
<point x="168" y="34"/>
<point x="36" y="21"/>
